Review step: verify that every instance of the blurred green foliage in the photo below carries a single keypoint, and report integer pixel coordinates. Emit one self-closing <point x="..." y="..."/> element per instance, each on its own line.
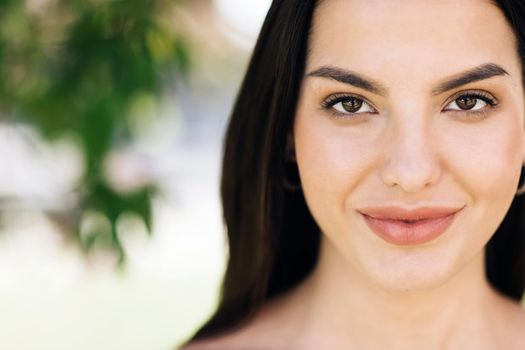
<point x="78" y="67"/>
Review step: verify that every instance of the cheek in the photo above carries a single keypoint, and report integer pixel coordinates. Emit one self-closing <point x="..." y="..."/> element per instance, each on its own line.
<point x="485" y="159"/>
<point x="484" y="163"/>
<point x="333" y="160"/>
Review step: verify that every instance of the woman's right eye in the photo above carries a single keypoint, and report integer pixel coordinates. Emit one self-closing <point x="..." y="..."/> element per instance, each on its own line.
<point x="347" y="105"/>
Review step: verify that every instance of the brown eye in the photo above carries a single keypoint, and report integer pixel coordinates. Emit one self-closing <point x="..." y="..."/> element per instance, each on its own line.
<point x="352" y="105"/>
<point x="466" y="102"/>
<point x="472" y="102"/>
<point x="347" y="105"/>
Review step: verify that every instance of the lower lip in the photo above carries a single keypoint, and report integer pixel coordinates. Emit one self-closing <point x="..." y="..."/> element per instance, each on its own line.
<point x="403" y="233"/>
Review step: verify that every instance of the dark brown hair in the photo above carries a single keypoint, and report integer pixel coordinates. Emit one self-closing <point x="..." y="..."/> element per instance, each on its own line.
<point x="273" y="239"/>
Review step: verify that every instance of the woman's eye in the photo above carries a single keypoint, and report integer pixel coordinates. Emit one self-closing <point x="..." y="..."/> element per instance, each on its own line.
<point x="348" y="105"/>
<point x="471" y="103"/>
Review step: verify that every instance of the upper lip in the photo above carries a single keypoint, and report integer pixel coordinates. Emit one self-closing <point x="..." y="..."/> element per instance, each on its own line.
<point x="412" y="214"/>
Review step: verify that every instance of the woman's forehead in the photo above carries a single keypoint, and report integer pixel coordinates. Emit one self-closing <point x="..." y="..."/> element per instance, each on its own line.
<point x="425" y="37"/>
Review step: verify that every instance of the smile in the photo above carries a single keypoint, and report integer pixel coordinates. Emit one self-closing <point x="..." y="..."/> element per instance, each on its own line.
<point x="408" y="227"/>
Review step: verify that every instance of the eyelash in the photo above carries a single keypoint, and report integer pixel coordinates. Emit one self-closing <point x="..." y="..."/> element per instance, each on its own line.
<point x="491" y="103"/>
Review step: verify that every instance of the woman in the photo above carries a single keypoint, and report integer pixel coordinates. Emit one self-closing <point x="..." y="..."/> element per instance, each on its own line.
<point x="403" y="228"/>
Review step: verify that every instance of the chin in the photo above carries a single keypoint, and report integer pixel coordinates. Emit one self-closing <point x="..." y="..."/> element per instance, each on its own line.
<point x="412" y="272"/>
<point x="402" y="281"/>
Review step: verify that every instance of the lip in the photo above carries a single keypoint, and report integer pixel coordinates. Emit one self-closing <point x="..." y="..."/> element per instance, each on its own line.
<point x="402" y="226"/>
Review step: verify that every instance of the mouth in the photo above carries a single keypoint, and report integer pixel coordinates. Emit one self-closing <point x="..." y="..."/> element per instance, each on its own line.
<point x="400" y="226"/>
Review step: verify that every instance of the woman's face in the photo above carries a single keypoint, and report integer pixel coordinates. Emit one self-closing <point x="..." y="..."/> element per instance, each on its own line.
<point x="408" y="105"/>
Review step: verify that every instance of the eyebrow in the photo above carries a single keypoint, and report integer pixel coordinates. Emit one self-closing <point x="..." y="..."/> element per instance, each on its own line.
<point x="482" y="72"/>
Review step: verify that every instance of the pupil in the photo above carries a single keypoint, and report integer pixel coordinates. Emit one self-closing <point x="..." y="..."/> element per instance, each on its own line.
<point x="352" y="105"/>
<point x="466" y="102"/>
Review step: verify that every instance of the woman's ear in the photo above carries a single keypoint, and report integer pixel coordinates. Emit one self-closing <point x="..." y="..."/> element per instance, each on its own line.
<point x="290" y="147"/>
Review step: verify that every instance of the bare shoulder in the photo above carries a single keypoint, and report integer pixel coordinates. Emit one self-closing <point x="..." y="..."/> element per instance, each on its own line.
<point x="211" y="344"/>
<point x="244" y="339"/>
<point x="229" y="341"/>
<point x="513" y="328"/>
<point x="519" y="330"/>
<point x="270" y="329"/>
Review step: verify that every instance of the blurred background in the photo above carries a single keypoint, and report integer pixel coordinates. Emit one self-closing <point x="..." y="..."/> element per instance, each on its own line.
<point x="112" y="114"/>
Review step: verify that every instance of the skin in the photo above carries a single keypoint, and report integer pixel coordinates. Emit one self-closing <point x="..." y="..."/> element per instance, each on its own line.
<point x="408" y="148"/>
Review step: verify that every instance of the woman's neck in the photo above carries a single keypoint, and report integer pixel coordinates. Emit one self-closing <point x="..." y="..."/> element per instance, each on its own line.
<point x="336" y="308"/>
<point x="342" y="307"/>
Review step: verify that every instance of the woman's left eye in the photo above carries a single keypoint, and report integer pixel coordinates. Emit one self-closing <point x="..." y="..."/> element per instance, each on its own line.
<point x="471" y="103"/>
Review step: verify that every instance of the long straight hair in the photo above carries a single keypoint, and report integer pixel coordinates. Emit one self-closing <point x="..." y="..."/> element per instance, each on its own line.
<point x="273" y="239"/>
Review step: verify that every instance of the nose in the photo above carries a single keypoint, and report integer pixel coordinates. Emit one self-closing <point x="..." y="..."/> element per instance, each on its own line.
<point x="411" y="162"/>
